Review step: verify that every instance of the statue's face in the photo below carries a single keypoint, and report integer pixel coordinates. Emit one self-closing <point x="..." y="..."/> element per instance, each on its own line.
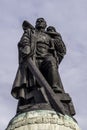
<point x="41" y="23"/>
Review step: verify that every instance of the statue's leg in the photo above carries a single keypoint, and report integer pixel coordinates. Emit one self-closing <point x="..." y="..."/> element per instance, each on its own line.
<point x="49" y="69"/>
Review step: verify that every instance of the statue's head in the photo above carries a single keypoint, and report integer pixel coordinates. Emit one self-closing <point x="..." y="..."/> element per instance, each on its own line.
<point x="51" y="29"/>
<point x="40" y="23"/>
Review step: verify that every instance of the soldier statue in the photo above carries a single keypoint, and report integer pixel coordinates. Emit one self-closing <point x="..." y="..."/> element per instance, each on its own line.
<point x="46" y="49"/>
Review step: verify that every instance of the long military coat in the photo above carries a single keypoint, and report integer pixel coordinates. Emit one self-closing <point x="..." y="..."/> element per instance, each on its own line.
<point x="23" y="77"/>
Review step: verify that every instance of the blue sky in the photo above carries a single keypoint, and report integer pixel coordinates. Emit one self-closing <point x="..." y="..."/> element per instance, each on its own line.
<point x="70" y="19"/>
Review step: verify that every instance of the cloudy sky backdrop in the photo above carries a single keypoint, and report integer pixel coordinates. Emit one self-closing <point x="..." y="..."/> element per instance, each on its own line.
<point x="70" y="19"/>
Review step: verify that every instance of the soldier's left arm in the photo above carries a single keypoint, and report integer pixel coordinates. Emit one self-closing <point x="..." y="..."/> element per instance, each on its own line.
<point x="59" y="47"/>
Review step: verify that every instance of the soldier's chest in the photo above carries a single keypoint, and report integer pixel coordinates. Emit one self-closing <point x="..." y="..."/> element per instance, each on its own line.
<point x="42" y="37"/>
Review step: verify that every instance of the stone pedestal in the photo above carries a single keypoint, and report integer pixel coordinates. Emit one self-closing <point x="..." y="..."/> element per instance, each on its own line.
<point x="42" y="120"/>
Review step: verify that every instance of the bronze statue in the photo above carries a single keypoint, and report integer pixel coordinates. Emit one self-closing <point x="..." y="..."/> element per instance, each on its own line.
<point x="38" y="82"/>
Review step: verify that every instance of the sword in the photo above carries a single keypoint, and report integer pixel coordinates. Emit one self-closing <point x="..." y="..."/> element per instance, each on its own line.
<point x="54" y="100"/>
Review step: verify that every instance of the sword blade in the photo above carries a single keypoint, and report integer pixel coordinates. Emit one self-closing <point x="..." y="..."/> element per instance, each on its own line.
<point x="55" y="100"/>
